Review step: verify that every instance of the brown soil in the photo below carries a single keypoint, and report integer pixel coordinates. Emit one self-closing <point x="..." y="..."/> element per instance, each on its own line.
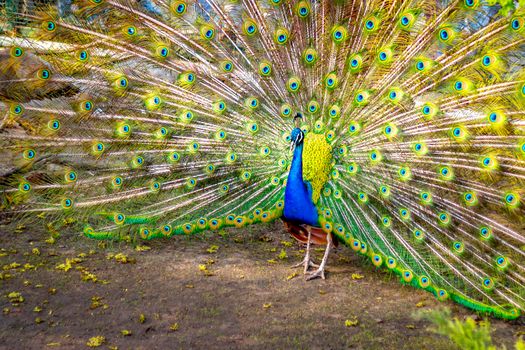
<point x="243" y="296"/>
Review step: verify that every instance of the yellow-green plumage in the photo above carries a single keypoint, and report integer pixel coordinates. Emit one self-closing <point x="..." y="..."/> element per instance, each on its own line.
<point x="317" y="162"/>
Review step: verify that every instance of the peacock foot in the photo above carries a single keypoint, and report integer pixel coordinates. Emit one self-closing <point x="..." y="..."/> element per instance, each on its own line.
<point x="316" y="274"/>
<point x="307" y="263"/>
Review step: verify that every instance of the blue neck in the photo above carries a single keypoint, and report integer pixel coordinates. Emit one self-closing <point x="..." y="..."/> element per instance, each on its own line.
<point x="298" y="205"/>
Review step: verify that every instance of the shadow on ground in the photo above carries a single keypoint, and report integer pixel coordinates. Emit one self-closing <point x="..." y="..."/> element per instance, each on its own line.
<point x="234" y="290"/>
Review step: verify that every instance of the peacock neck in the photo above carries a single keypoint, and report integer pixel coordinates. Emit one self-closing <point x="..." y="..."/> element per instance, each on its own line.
<point x="298" y="204"/>
<point x="296" y="169"/>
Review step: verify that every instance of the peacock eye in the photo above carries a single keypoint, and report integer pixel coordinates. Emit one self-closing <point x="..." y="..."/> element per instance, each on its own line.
<point x="50" y="26"/>
<point x="17" y="52"/>
<point x="17" y="109"/>
<point x="515" y="24"/>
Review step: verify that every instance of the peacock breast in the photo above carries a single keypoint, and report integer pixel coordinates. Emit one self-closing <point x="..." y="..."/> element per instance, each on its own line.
<point x="317" y="162"/>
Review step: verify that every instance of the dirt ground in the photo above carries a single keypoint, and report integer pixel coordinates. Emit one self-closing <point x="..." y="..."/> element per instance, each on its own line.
<point x="215" y="291"/>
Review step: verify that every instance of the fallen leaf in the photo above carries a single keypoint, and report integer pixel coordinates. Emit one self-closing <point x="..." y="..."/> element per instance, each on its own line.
<point x="124" y="259"/>
<point x="95" y="302"/>
<point x="65" y="266"/>
<point x="267" y="305"/>
<point x="286" y="243"/>
<point x="97" y="341"/>
<point x="15" y="298"/>
<point x="289" y="277"/>
<point x="174" y="327"/>
<point x="351" y="323"/>
<point x="212" y="249"/>
<point x="357" y="276"/>
<point x="282" y="255"/>
<point x="125" y="332"/>
<point x="142" y="248"/>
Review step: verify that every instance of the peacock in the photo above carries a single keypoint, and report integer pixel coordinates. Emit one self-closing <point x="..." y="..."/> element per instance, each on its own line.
<point x="395" y="127"/>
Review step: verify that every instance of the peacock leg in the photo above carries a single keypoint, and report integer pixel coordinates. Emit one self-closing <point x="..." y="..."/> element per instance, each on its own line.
<point x="320" y="271"/>
<point x="307" y="262"/>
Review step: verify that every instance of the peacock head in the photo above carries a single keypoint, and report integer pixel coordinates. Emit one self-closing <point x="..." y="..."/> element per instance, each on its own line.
<point x="297" y="134"/>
